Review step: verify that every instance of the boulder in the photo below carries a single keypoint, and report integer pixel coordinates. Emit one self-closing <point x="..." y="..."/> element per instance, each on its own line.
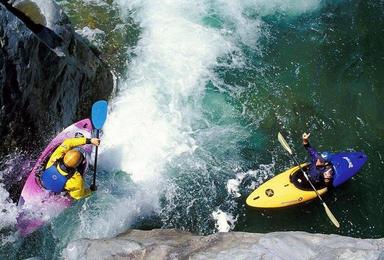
<point x="173" y="244"/>
<point x="49" y="76"/>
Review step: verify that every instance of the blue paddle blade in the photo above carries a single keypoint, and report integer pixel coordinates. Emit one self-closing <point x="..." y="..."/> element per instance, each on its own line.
<point x="99" y="113"/>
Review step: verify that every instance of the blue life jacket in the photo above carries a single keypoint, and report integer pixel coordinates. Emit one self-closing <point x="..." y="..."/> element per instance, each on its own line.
<point x="53" y="180"/>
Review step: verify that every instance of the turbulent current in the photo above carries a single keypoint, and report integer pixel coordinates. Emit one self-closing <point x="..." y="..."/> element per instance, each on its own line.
<point x="203" y="89"/>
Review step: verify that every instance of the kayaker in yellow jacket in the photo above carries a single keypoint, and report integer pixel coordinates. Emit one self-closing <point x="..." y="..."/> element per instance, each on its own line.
<point x="62" y="170"/>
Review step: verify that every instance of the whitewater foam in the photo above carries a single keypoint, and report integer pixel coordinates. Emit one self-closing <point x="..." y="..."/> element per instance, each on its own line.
<point x="152" y="118"/>
<point x="14" y="167"/>
<point x="224" y="221"/>
<point x="233" y="184"/>
<point x="148" y="125"/>
<point x="94" y="36"/>
<point x="8" y="210"/>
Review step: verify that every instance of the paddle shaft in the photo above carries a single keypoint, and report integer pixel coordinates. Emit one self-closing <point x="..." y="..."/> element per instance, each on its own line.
<point x="95" y="165"/>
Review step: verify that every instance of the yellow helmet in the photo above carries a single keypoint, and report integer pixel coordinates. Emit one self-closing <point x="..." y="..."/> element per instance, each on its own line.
<point x="72" y="158"/>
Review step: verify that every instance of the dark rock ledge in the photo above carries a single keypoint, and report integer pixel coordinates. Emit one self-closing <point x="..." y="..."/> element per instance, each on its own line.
<point x="49" y="77"/>
<point x="173" y="244"/>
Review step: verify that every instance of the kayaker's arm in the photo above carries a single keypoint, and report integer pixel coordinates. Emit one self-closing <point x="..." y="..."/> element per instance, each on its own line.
<point x="76" y="187"/>
<point x="314" y="173"/>
<point x="305" y="138"/>
<point x="313" y="154"/>
<point x="67" y="145"/>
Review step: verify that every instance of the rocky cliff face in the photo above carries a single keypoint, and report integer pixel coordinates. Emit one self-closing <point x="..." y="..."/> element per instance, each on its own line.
<point x="172" y="244"/>
<point x="48" y="76"/>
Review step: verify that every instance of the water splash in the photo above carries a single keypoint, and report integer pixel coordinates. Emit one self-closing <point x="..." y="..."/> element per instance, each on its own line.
<point x="164" y="112"/>
<point x="224" y="221"/>
<point x="14" y="169"/>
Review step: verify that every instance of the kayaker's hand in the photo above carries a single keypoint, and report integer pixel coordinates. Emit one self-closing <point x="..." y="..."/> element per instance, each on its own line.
<point x="95" y="141"/>
<point x="93" y="187"/>
<point x="305" y="138"/>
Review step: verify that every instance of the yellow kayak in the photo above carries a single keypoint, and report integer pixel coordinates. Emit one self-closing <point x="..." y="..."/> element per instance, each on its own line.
<point x="286" y="189"/>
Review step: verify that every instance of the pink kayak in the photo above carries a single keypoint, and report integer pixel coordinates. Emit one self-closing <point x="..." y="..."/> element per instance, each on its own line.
<point x="36" y="205"/>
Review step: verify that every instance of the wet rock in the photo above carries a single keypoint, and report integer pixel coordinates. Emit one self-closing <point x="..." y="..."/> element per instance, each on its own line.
<point x="49" y="77"/>
<point x="172" y="244"/>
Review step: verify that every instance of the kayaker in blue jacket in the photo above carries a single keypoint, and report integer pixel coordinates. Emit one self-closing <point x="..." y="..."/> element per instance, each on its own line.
<point x="319" y="170"/>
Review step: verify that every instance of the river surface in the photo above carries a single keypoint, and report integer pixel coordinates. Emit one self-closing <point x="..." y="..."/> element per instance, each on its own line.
<point x="204" y="87"/>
